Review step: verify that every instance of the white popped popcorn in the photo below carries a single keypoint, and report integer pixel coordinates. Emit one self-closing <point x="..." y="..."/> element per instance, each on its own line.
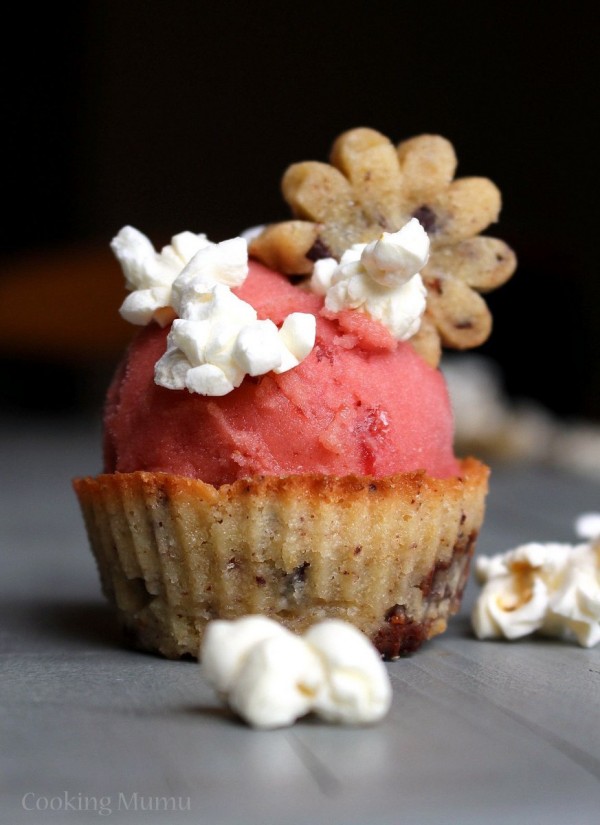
<point x="271" y="677"/>
<point x="149" y="274"/>
<point x="356" y="686"/>
<point x="381" y="278"/>
<point x="277" y="682"/>
<point x="550" y="588"/>
<point x="587" y="526"/>
<point x="219" y="340"/>
<point x="226" y="644"/>
<point x="215" y="338"/>
<point x="223" y="263"/>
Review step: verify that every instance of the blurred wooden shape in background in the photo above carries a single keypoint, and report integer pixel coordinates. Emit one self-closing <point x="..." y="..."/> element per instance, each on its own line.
<point x="61" y="305"/>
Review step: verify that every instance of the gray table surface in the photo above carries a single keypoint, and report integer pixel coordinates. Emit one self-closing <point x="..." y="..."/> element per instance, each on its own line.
<point x="479" y="732"/>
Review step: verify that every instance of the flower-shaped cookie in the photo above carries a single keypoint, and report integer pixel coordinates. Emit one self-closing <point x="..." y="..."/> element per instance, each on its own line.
<point x="372" y="186"/>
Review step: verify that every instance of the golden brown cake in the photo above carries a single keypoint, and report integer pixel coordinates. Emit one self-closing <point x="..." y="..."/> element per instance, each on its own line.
<point x="391" y="555"/>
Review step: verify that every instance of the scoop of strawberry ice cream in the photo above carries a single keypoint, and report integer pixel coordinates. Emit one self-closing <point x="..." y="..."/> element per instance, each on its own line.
<point x="359" y="404"/>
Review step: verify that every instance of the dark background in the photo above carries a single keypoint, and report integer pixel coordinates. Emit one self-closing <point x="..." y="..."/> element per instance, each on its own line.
<point x="183" y="115"/>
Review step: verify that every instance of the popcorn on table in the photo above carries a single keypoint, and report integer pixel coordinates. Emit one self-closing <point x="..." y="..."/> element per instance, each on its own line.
<point x="271" y="676"/>
<point x="553" y="589"/>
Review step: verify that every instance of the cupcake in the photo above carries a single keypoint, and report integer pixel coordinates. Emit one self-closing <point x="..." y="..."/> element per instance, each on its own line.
<point x="278" y="437"/>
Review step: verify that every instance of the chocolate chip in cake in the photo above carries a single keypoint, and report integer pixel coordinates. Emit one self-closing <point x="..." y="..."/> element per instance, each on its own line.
<point x="318" y="251"/>
<point x="427" y="218"/>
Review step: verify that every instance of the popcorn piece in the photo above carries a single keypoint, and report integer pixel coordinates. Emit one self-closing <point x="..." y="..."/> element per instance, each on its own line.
<point x="150" y="274"/>
<point x="509" y="608"/>
<point x="587" y="526"/>
<point x="356" y="687"/>
<point x="550" y="588"/>
<point x="372" y="186"/>
<point x="143" y="266"/>
<point x="543" y="558"/>
<point x="143" y="305"/>
<point x="216" y="339"/>
<point x="224" y="263"/>
<point x="394" y="259"/>
<point x="575" y="609"/>
<point x="381" y="278"/>
<point x="257" y="348"/>
<point x="226" y="643"/>
<point x="271" y="677"/>
<point x="277" y="682"/>
<point x="297" y="337"/>
<point x="159" y="280"/>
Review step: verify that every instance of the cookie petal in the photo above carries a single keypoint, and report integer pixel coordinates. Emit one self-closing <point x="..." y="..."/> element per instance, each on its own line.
<point x="464" y="209"/>
<point x="460" y="314"/>
<point x="319" y="192"/>
<point x="370" y="162"/>
<point x="482" y="263"/>
<point x="428" y="164"/>
<point x="427" y="341"/>
<point x="284" y="246"/>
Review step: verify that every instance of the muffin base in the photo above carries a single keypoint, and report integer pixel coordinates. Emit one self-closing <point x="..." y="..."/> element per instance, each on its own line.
<point x="390" y="555"/>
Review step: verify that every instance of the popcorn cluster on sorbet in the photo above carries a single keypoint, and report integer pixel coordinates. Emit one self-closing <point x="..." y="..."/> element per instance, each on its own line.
<point x="553" y="589"/>
<point x="271" y="677"/>
<point x="215" y="339"/>
<point x="380" y="278"/>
